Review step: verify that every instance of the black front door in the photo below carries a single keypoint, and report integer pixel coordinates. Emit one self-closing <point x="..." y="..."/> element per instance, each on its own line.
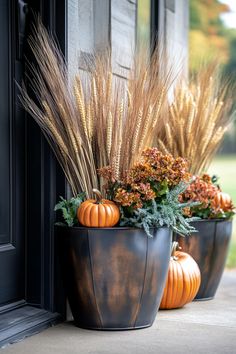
<point x="31" y="295"/>
<point x="12" y="243"/>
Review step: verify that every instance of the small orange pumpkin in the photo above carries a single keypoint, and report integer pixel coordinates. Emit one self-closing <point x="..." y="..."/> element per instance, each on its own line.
<point x="98" y="212"/>
<point x="223" y="201"/>
<point x="183" y="280"/>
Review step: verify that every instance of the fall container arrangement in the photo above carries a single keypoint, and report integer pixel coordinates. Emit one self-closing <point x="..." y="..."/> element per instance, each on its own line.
<point x="116" y="259"/>
<point x="116" y="229"/>
<point x="196" y="120"/>
<point x="209" y="246"/>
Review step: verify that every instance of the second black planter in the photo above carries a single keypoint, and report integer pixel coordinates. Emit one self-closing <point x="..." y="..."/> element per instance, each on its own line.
<point x="114" y="277"/>
<point x="209" y="247"/>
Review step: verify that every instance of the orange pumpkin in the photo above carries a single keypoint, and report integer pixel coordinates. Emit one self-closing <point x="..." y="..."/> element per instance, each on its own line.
<point x="183" y="280"/>
<point x="98" y="212"/>
<point x="223" y="201"/>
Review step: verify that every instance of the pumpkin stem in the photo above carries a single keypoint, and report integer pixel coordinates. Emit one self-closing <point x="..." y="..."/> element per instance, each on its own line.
<point x="175" y="247"/>
<point x="98" y="195"/>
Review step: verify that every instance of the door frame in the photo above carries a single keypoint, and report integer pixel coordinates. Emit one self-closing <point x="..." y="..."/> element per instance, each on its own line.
<point x="12" y="252"/>
<point x="45" y="182"/>
<point x="35" y="193"/>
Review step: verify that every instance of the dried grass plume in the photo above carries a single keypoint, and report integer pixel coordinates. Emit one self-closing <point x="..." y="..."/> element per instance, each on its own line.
<point x="198" y="116"/>
<point x="99" y="119"/>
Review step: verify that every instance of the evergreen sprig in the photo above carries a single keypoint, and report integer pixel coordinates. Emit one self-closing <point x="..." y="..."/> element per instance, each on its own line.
<point x="166" y="213"/>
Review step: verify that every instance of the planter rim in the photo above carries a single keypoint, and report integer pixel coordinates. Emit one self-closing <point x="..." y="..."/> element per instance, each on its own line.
<point x="212" y="220"/>
<point x="109" y="228"/>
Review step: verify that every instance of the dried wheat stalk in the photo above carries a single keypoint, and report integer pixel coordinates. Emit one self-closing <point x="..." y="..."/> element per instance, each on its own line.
<point x="99" y="121"/>
<point x="198" y="117"/>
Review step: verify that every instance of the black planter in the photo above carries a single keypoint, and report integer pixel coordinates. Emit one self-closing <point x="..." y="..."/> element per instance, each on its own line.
<point x="114" y="277"/>
<point x="209" y="247"/>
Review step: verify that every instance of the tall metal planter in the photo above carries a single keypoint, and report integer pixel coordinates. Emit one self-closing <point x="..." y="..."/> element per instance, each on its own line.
<point x="209" y="247"/>
<point x="114" y="277"/>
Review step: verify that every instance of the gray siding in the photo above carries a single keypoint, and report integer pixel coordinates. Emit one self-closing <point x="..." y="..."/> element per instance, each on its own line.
<point x="174" y="26"/>
<point x="123" y="34"/>
<point x="93" y="25"/>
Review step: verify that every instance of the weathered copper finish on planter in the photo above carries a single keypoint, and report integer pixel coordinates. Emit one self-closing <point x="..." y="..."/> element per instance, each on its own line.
<point x="114" y="277"/>
<point x="209" y="248"/>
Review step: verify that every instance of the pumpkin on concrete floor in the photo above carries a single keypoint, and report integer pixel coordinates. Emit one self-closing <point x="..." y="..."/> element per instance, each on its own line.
<point x="98" y="212"/>
<point x="183" y="280"/>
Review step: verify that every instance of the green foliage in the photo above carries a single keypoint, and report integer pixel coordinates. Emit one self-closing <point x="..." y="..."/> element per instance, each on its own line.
<point x="166" y="213"/>
<point x="231" y="260"/>
<point x="195" y="15"/>
<point x="205" y="15"/>
<point x="209" y="36"/>
<point x="69" y="209"/>
<point x="215" y="179"/>
<point x="225" y="167"/>
<point x="206" y="213"/>
<point x="230" y="68"/>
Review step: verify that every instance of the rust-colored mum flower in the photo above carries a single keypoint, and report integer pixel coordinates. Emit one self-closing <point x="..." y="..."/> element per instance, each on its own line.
<point x="150" y="178"/>
<point x="145" y="190"/>
<point x="107" y="173"/>
<point x="125" y="198"/>
<point x="157" y="167"/>
<point x="204" y="191"/>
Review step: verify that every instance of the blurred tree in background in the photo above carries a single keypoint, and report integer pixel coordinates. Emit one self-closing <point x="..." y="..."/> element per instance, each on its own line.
<point x="209" y="39"/>
<point x="143" y="22"/>
<point x="230" y="67"/>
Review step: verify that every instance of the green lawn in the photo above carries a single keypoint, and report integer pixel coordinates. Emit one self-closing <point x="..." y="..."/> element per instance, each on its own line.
<point x="225" y="168"/>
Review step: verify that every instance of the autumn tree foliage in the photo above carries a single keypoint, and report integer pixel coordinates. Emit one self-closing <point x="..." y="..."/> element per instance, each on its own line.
<point x="208" y="35"/>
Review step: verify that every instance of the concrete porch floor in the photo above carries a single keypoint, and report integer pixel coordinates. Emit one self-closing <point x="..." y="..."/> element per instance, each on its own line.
<point x="200" y="327"/>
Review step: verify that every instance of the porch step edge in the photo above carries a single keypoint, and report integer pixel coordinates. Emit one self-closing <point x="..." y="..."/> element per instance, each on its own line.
<point x="28" y="327"/>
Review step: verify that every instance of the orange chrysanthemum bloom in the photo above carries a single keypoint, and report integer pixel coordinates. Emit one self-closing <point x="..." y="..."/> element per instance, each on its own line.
<point x="204" y="191"/>
<point x="147" y="179"/>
